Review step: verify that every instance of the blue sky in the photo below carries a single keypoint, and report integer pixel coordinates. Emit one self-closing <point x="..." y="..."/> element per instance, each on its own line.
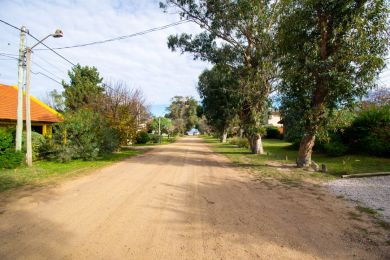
<point x="143" y="62"/>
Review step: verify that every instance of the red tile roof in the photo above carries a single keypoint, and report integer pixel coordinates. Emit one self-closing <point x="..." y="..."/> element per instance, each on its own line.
<point x="40" y="112"/>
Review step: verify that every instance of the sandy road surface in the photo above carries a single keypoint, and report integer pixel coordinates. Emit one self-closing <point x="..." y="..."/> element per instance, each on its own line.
<point x="179" y="201"/>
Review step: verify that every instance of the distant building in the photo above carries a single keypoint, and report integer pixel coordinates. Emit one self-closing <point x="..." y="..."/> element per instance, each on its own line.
<point x="42" y="116"/>
<point x="274" y="119"/>
<point x="193" y="131"/>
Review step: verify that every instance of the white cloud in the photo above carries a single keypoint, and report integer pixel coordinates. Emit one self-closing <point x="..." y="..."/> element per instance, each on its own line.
<point x="144" y="61"/>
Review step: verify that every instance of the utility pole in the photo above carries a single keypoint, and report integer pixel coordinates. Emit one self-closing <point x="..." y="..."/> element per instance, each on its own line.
<point x="58" y="34"/>
<point x="159" y="130"/>
<point x="19" y="122"/>
<point x="28" y="113"/>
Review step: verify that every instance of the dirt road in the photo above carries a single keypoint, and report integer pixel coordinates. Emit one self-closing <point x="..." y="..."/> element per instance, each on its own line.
<point x="179" y="201"/>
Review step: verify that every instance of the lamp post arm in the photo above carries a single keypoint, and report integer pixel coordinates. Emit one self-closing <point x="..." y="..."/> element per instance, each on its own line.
<point x="41" y="41"/>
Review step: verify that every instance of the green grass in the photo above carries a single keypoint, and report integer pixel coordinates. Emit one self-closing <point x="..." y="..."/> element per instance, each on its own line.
<point x="44" y="172"/>
<point x="278" y="150"/>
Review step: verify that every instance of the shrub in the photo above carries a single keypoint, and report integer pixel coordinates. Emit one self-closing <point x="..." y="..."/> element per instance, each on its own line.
<point x="10" y="158"/>
<point x="370" y="131"/>
<point x="243" y="142"/>
<point x="87" y="134"/>
<point x="335" y="148"/>
<point x="37" y="143"/>
<point x="272" y="132"/>
<point x="154" y="138"/>
<point x="6" y="139"/>
<point x="240" y="142"/>
<point x="142" y="138"/>
<point x="233" y="140"/>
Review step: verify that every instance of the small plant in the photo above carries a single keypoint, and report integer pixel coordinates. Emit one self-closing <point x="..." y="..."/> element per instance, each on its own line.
<point x="9" y="158"/>
<point x="142" y="138"/>
<point x="369" y="211"/>
<point x="272" y="132"/>
<point x="335" y="148"/>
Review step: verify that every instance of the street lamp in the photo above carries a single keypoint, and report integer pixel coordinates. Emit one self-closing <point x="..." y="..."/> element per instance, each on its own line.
<point x="57" y="34"/>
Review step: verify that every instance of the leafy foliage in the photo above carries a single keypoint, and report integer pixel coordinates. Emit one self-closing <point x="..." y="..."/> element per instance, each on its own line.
<point x="84" y="88"/>
<point x="183" y="113"/>
<point x="9" y="158"/>
<point x="239" y="34"/>
<point x="370" y="131"/>
<point x="37" y="143"/>
<point x="273" y="132"/>
<point x="330" y="52"/>
<point x="166" y="126"/>
<point x="84" y="134"/>
<point x="218" y="89"/>
<point x="6" y="139"/>
<point x="142" y="137"/>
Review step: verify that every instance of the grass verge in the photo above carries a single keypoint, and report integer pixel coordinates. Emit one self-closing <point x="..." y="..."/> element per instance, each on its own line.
<point x="279" y="160"/>
<point x="44" y="172"/>
<point x="279" y="151"/>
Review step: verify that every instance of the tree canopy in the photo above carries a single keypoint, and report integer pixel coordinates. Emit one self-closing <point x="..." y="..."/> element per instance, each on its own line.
<point x="239" y="34"/>
<point x="330" y="52"/>
<point x="84" y="88"/>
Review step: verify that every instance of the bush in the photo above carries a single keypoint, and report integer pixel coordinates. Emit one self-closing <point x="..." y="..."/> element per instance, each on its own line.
<point x="10" y="158"/>
<point x="272" y="132"/>
<point x="6" y="139"/>
<point x="370" y="132"/>
<point x="335" y="148"/>
<point x="84" y="134"/>
<point x="243" y="142"/>
<point x="37" y="143"/>
<point x="142" y="138"/>
<point x="233" y="140"/>
<point x="154" y="138"/>
<point x="240" y="142"/>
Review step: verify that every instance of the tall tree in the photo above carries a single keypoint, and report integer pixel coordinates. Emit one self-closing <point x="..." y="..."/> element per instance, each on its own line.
<point x="84" y="88"/>
<point x="183" y="113"/>
<point x="241" y="35"/>
<point x="124" y="108"/>
<point x="218" y="89"/>
<point x="330" y="53"/>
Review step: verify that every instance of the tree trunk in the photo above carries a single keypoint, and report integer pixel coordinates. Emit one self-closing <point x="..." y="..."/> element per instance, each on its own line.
<point x="256" y="144"/>
<point x="241" y="132"/>
<point x="224" y="137"/>
<point x="305" y="150"/>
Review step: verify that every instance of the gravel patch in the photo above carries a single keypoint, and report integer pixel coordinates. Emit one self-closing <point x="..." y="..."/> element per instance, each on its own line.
<point x="372" y="192"/>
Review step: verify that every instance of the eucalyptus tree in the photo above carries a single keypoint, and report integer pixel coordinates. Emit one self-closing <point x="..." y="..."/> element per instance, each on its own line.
<point x="240" y="34"/>
<point x="183" y="113"/>
<point x="330" y="53"/>
<point x="218" y="89"/>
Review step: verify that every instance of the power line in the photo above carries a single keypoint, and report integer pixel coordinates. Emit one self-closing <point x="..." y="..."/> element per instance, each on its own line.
<point x="35" y="38"/>
<point x="13" y="26"/>
<point x="122" y="37"/>
<point x="48" y="63"/>
<point x="43" y="74"/>
<point x="8" y="56"/>
<point x="51" y="73"/>
<point x="32" y="36"/>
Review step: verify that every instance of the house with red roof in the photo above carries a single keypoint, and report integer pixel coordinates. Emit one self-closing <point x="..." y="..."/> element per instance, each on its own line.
<point x="42" y="116"/>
